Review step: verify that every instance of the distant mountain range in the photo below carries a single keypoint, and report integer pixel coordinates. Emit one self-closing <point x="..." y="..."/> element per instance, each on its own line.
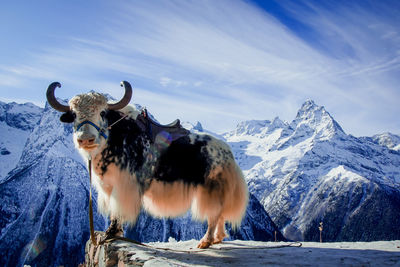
<point x="310" y="171"/>
<point x="44" y="191"/>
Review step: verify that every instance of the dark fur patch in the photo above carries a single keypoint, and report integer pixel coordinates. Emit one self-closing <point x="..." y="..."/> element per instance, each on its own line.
<point x="184" y="161"/>
<point x="126" y="144"/>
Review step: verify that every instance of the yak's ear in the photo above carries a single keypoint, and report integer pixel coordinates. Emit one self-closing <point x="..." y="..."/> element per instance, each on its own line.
<point x="68" y="117"/>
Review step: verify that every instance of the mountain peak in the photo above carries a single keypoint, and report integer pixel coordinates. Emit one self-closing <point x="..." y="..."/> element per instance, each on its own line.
<point x="20" y="116"/>
<point x="309" y="107"/>
<point x="388" y="140"/>
<point x="199" y="127"/>
<point x="251" y="127"/>
<point x="316" y="119"/>
<point x="309" y="103"/>
<point x="193" y="127"/>
<point x="278" y="123"/>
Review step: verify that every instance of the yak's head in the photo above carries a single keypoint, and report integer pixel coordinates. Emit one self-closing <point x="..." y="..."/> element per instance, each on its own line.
<point x="88" y="114"/>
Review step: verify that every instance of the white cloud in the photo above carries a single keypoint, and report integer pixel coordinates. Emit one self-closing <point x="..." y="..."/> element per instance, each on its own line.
<point x="164" y="81"/>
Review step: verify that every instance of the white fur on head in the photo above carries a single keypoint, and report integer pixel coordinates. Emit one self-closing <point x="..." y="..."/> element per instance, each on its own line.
<point x="88" y="105"/>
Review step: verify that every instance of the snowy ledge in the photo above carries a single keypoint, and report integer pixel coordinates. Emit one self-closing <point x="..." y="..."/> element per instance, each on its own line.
<point x="244" y="253"/>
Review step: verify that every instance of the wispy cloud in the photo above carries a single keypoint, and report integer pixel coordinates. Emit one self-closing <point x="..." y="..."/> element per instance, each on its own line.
<point x="221" y="62"/>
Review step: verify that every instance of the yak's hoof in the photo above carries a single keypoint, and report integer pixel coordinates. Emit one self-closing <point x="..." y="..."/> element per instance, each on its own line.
<point x="109" y="236"/>
<point x="204" y="244"/>
<point x="113" y="230"/>
<point x="218" y="238"/>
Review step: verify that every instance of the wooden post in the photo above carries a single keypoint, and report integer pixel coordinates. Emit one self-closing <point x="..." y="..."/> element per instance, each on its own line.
<point x="320" y="231"/>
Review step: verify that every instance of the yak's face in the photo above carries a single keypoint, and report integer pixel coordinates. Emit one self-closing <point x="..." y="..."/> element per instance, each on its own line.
<point x="90" y="125"/>
<point x="88" y="114"/>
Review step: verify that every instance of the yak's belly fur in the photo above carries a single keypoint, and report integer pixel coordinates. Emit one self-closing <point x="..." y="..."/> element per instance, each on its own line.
<point x="168" y="199"/>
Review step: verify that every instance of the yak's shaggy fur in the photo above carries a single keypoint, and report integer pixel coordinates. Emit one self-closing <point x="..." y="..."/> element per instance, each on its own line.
<point x="165" y="177"/>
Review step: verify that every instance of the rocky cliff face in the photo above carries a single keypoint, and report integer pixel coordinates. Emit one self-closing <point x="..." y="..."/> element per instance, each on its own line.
<point x="310" y="170"/>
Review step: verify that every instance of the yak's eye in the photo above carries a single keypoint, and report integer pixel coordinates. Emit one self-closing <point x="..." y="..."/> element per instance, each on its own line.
<point x="68" y="117"/>
<point x="103" y="114"/>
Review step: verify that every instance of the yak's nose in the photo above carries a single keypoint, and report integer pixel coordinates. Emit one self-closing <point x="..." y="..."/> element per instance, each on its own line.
<point x="86" y="142"/>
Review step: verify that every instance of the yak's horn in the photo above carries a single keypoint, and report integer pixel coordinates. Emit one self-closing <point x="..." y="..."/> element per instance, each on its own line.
<point x="52" y="99"/>
<point x="125" y="100"/>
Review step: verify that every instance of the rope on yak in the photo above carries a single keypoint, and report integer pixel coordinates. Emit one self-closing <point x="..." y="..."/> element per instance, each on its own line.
<point x="91" y="205"/>
<point x="123" y="117"/>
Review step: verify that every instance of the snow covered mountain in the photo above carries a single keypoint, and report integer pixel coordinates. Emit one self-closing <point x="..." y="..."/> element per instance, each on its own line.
<point x="389" y="140"/>
<point x="44" y="196"/>
<point x="16" y="123"/>
<point x="310" y="170"/>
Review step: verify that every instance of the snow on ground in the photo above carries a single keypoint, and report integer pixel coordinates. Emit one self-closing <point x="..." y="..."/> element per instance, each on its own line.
<point x="253" y="253"/>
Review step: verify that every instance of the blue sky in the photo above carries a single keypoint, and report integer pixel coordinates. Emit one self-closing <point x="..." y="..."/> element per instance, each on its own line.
<point x="217" y="62"/>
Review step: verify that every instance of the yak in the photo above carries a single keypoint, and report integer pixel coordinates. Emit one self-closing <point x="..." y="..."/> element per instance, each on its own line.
<point x="167" y="170"/>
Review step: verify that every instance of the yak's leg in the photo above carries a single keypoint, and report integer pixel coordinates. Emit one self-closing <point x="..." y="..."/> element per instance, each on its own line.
<point x="208" y="238"/>
<point x="220" y="231"/>
<point x="115" y="229"/>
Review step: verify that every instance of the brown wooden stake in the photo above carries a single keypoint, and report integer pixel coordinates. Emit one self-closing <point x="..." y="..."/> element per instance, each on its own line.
<point x="92" y="237"/>
<point x="320" y="231"/>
